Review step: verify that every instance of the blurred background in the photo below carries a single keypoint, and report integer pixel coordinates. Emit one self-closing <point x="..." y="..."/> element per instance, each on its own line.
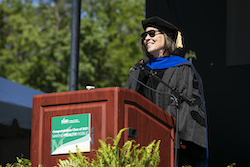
<point x="35" y="38"/>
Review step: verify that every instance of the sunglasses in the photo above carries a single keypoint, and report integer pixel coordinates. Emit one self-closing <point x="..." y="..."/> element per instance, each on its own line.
<point x="151" y="33"/>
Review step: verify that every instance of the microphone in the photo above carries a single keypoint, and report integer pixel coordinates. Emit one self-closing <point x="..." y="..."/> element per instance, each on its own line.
<point x="141" y="62"/>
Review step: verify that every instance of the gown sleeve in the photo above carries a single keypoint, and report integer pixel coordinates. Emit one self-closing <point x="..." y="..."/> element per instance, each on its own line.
<point x="192" y="118"/>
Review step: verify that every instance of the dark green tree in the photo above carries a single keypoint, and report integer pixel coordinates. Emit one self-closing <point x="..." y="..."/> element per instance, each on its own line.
<point x="35" y="42"/>
<point x="110" y="42"/>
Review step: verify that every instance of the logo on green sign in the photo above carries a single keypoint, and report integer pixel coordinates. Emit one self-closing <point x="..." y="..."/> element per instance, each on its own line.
<point x="67" y="132"/>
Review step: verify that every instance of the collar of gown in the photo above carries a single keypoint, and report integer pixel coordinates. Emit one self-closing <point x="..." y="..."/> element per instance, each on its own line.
<point x="166" y="62"/>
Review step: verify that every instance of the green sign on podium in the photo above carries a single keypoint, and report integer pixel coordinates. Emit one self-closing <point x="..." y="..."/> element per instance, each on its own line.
<point x="70" y="131"/>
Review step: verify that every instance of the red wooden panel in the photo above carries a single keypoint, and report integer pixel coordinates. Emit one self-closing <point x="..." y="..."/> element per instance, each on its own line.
<point x="149" y="128"/>
<point x="98" y="123"/>
<point x="111" y="110"/>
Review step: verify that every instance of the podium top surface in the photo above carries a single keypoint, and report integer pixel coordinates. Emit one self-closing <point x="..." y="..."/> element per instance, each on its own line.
<point x="79" y="95"/>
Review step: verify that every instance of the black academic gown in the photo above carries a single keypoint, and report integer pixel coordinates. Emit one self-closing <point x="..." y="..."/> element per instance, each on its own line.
<point x="183" y="77"/>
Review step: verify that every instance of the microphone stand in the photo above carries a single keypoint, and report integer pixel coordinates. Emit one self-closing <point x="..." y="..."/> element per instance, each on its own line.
<point x="177" y="97"/>
<point x="177" y="143"/>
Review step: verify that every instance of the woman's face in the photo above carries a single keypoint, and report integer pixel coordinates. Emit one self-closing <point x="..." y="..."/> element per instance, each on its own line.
<point x="155" y="45"/>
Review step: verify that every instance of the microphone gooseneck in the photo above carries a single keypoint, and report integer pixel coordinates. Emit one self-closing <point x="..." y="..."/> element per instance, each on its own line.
<point x="140" y="63"/>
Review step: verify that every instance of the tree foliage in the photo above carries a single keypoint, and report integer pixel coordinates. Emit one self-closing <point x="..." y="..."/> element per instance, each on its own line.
<point x="35" y="42"/>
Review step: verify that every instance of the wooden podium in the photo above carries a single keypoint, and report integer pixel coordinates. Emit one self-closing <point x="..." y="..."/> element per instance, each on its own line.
<point x="111" y="109"/>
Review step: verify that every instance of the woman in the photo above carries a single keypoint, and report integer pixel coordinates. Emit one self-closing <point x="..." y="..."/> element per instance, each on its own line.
<point x="160" y="42"/>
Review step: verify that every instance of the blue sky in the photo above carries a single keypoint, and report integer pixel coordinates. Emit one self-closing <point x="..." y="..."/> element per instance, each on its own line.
<point x="36" y="2"/>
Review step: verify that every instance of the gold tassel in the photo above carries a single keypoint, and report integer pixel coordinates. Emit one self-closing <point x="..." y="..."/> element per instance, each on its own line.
<point x="179" y="40"/>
